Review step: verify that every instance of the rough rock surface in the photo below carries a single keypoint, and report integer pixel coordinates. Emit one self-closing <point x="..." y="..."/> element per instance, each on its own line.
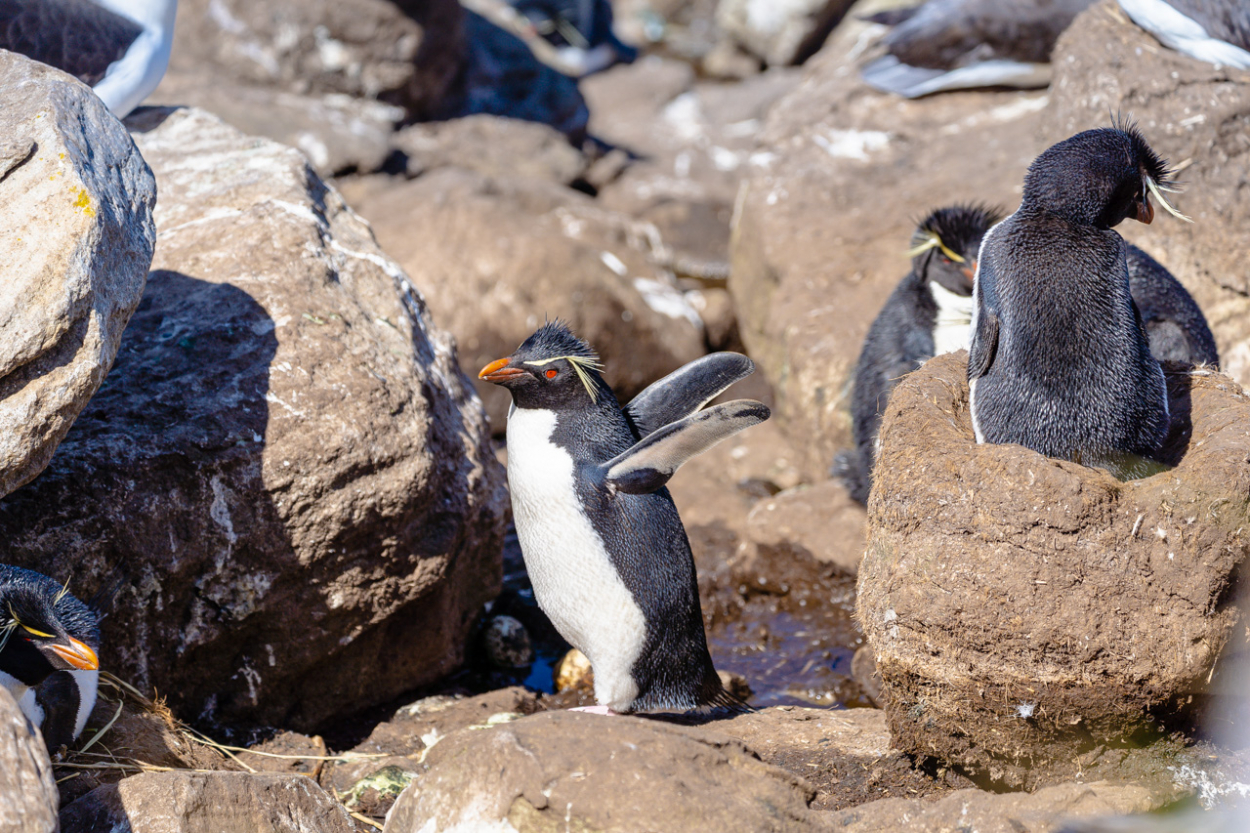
<point x="497" y="256"/>
<point x="28" y="798"/>
<point x="824" y="220"/>
<point x="492" y="146"/>
<point x="781" y="32"/>
<point x="407" y="52"/>
<point x="1024" y="610"/>
<point x="820" y="521"/>
<point x="986" y="812"/>
<point x="541" y="773"/>
<point x="1197" y="116"/>
<point x="286" y="475"/>
<point x="208" y="802"/>
<point x="76" y="238"/>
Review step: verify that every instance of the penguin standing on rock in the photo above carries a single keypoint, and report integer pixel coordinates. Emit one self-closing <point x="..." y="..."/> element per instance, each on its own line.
<point x="1060" y="361"/>
<point x="603" y="544"/>
<point x="929" y="313"/>
<point x="48" y="662"/>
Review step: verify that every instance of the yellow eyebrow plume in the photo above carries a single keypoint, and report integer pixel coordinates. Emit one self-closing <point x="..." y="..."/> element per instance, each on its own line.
<point x="1158" y="192"/>
<point x="581" y="365"/>
<point x="932" y="241"/>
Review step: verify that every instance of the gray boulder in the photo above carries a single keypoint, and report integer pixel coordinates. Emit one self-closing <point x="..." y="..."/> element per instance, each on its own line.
<point x="76" y="237"/>
<point x="28" y="799"/>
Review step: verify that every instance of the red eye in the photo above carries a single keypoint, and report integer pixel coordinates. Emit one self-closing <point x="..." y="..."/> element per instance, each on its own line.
<point x="551" y="374"/>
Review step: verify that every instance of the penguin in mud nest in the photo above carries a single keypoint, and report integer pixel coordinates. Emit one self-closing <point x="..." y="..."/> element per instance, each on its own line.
<point x="48" y="661"/>
<point x="602" y="541"/>
<point x="1215" y="31"/>
<point x="1059" y="360"/>
<point x="930" y="313"/>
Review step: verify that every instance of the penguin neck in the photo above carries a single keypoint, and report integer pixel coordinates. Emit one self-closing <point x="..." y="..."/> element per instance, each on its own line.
<point x="952" y="325"/>
<point x="15" y="686"/>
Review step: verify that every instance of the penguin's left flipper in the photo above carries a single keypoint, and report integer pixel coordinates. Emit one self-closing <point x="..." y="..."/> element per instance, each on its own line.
<point x="686" y="390"/>
<point x="984" y="345"/>
<point x="653" y="460"/>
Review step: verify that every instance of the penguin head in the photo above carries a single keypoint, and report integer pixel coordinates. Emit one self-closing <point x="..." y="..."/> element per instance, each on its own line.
<point x="1100" y="177"/>
<point x="43" y="628"/>
<point x="552" y="370"/>
<point x="945" y="245"/>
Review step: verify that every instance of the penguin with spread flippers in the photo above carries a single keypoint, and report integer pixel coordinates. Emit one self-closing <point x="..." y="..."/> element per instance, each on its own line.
<point x="48" y="660"/>
<point x="602" y="541"/>
<point x="1215" y="31"/>
<point x="1059" y="360"/>
<point x="929" y="313"/>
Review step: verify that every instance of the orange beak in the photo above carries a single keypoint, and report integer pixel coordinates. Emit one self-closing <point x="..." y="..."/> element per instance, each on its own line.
<point x="498" y="371"/>
<point x="970" y="271"/>
<point x="78" y="654"/>
<point x="1145" y="211"/>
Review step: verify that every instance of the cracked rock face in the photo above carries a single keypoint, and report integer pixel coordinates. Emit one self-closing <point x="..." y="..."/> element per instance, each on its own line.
<point x="76" y="237"/>
<point x="1025" y="610"/>
<point x="284" y="485"/>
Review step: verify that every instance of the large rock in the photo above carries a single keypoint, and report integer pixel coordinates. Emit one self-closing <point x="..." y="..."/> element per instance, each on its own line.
<point x="208" y="802"/>
<point x="987" y="812"/>
<point x="540" y="773"/>
<point x="76" y="237"/>
<point x="286" y="476"/>
<point x="781" y="33"/>
<point x="408" y="53"/>
<point x="497" y="256"/>
<point x="819" y="521"/>
<point x="1193" y="113"/>
<point x="1024" y="610"/>
<point x="28" y="799"/>
<point x="824" y="220"/>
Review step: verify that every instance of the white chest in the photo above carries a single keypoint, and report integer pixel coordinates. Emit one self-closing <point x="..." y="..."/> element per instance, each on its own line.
<point x="952" y="330"/>
<point x="573" y="578"/>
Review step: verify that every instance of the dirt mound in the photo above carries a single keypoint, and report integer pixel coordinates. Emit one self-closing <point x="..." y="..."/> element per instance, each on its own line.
<point x="1024" y="610"/>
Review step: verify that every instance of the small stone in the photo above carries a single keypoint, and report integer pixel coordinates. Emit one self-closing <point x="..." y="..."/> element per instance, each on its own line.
<point x="573" y="672"/>
<point x="507" y="643"/>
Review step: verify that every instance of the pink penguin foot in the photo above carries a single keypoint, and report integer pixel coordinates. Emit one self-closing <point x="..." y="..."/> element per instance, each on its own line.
<point x="603" y="710"/>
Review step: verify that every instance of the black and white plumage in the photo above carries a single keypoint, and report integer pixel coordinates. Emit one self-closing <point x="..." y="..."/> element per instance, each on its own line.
<point x="603" y="544"/>
<point x="48" y="660"/>
<point x="929" y="313"/>
<point x="1059" y="360"/>
<point x="921" y="320"/>
<point x="1215" y="31"/>
<point x="119" y="47"/>
<point x="960" y="44"/>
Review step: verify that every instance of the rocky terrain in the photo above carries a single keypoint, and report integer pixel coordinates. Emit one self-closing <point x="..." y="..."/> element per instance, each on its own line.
<point x="238" y="381"/>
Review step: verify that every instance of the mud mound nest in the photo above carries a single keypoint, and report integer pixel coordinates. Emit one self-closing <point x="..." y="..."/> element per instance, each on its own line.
<point x="1024" y="610"/>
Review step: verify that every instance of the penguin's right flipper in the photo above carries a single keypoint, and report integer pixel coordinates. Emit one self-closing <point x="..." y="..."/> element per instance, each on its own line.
<point x="891" y="75"/>
<point x="984" y="345"/>
<point x="653" y="460"/>
<point x="686" y="390"/>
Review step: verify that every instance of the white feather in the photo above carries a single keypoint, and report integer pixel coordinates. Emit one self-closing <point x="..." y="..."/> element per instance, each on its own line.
<point x="952" y="329"/>
<point x="1184" y="34"/>
<point x="133" y="78"/>
<point x="573" y="577"/>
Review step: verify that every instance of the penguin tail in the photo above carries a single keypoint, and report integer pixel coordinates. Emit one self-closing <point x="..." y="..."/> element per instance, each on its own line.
<point x="717" y="699"/>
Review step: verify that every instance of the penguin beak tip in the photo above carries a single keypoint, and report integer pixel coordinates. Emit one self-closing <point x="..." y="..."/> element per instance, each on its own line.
<point x="1145" y="211"/>
<point x="499" y="371"/>
<point x="78" y="654"/>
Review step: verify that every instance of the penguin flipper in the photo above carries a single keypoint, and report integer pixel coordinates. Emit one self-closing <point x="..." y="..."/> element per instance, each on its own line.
<point x="984" y="345"/>
<point x="653" y="460"/>
<point x="686" y="390"/>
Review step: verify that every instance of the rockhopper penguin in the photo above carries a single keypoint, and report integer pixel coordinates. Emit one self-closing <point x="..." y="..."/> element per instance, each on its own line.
<point x="48" y="640"/>
<point x="604" y="547"/>
<point x="930" y="313"/>
<point x="1059" y="360"/>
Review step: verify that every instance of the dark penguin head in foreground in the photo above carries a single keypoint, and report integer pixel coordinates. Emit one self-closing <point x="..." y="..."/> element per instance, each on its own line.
<point x="43" y="629"/>
<point x="553" y="370"/>
<point x="1100" y="178"/>
<point x="945" y="244"/>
